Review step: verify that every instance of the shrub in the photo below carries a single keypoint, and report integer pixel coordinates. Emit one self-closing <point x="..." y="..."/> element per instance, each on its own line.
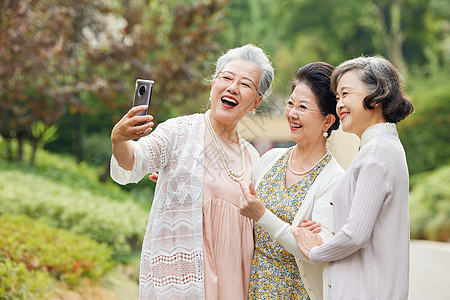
<point x="119" y="224"/>
<point x="98" y="148"/>
<point x="424" y="134"/>
<point x="16" y="282"/>
<point x="65" y="170"/>
<point x="430" y="206"/>
<point x="60" y="253"/>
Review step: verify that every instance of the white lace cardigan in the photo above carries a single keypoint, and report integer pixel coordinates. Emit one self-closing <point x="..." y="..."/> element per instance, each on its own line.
<point x="172" y="251"/>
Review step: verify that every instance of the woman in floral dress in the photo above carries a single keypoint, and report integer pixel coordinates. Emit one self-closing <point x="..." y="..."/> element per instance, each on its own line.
<point x="293" y="185"/>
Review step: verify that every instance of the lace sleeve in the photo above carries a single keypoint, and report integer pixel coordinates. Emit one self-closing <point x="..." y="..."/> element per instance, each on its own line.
<point x="150" y="155"/>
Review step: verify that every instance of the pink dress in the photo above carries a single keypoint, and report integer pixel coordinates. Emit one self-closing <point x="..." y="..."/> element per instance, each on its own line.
<point x="196" y="244"/>
<point x="227" y="235"/>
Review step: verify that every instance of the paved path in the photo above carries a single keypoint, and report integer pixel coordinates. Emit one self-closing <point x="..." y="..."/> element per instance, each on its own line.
<point x="430" y="271"/>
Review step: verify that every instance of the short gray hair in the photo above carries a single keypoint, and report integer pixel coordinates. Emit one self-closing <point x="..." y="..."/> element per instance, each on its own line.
<point x="255" y="55"/>
<point x="384" y="83"/>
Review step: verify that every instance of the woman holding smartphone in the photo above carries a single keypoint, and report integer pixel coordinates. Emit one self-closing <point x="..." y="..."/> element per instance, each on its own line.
<point x="369" y="253"/>
<point x="197" y="245"/>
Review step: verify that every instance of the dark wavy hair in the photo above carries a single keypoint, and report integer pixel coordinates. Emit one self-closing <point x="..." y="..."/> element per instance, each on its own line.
<point x="384" y="83"/>
<point x="317" y="76"/>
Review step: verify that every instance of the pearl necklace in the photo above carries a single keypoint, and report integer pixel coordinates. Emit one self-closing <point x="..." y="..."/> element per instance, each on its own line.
<point x="226" y="164"/>
<point x="307" y="171"/>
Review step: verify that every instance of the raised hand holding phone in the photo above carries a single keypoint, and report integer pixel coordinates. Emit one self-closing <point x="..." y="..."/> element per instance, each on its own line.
<point x="142" y="96"/>
<point x="128" y="129"/>
<point x="136" y="123"/>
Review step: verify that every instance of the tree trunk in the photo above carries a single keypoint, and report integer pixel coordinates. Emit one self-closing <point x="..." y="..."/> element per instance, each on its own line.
<point x="394" y="50"/>
<point x="9" y="148"/>
<point x="34" y="144"/>
<point x="79" y="137"/>
<point x="20" y="140"/>
<point x="391" y="34"/>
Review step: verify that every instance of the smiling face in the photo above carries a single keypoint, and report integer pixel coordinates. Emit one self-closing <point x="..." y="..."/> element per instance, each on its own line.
<point x="350" y="94"/>
<point x="235" y="92"/>
<point x="306" y="128"/>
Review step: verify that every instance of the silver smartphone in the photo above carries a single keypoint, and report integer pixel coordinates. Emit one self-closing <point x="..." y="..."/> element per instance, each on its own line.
<point x="142" y="96"/>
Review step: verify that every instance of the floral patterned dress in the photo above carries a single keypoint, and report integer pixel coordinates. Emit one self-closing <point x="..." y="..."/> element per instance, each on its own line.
<point x="274" y="273"/>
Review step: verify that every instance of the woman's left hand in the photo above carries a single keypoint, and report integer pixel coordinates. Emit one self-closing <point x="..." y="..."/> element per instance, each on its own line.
<point x="312" y="226"/>
<point x="251" y="206"/>
<point x="306" y="240"/>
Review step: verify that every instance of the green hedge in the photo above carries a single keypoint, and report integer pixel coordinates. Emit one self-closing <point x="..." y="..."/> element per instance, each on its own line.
<point x="65" y="170"/>
<point x="119" y="224"/>
<point x="425" y="134"/>
<point x="430" y="205"/>
<point x="16" y="282"/>
<point x="62" y="254"/>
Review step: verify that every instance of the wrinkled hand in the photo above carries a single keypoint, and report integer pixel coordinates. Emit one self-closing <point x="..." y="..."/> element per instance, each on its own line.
<point x="251" y="206"/>
<point x="312" y="226"/>
<point x="126" y="130"/>
<point x="306" y="240"/>
<point x="154" y="176"/>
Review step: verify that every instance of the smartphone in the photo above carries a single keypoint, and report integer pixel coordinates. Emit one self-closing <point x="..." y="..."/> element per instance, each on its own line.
<point x="142" y="96"/>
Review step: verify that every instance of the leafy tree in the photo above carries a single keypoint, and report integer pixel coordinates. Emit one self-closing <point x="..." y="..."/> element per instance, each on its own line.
<point x="167" y="41"/>
<point x="41" y="134"/>
<point x="410" y="33"/>
<point x="39" y="62"/>
<point x="81" y="58"/>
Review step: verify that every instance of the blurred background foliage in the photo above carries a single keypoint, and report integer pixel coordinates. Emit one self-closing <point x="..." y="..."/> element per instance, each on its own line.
<point x="67" y="75"/>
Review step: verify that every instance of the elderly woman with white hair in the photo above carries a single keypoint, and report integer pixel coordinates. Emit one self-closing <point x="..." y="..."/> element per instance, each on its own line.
<point x="197" y="245"/>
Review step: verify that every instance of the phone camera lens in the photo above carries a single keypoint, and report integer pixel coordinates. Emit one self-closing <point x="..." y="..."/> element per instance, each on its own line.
<point x="141" y="90"/>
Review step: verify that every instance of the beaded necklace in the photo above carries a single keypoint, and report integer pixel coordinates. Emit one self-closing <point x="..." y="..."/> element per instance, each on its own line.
<point x="223" y="158"/>
<point x="307" y="171"/>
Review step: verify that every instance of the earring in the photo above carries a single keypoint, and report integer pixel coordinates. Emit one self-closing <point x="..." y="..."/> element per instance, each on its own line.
<point x="325" y="134"/>
<point x="253" y="112"/>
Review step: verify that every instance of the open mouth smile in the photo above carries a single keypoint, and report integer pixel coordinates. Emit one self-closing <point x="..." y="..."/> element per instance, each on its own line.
<point x="343" y="115"/>
<point x="295" y="126"/>
<point x="228" y="101"/>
